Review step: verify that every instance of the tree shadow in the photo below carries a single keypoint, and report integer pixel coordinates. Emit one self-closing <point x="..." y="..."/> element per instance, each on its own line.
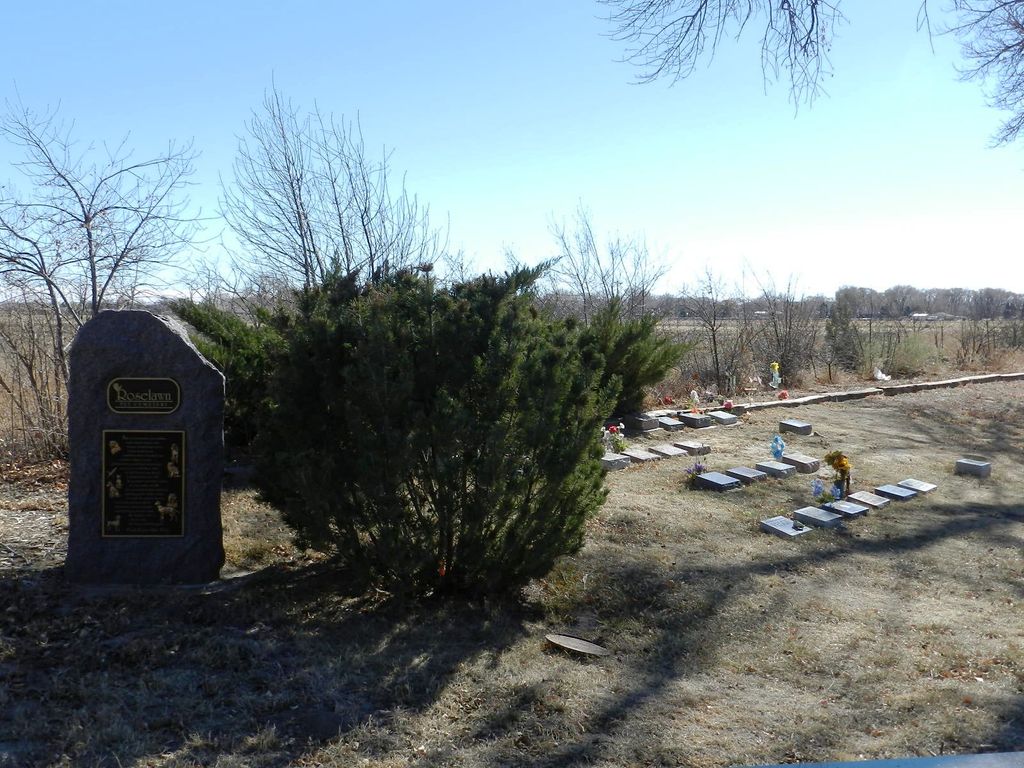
<point x="275" y="665"/>
<point x="687" y="641"/>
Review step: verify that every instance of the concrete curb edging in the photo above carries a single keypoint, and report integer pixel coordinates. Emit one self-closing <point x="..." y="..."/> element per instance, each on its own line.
<point x="888" y="390"/>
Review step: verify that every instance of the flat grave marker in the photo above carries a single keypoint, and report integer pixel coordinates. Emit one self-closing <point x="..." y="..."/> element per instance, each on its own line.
<point x="693" y="447"/>
<point x="917" y="485"/>
<point x="819" y="518"/>
<point x="895" y="492"/>
<point x="716" y="481"/>
<point x="614" y="461"/>
<point x="746" y="475"/>
<point x="804" y="464"/>
<point x="783" y="526"/>
<point x="795" y="426"/>
<point x="723" y="417"/>
<point x="667" y="450"/>
<point x="776" y="468"/>
<point x="846" y="508"/>
<point x="669" y="424"/>
<point x="695" y="420"/>
<point x="976" y="467"/>
<point x="868" y="499"/>
<point x="639" y="455"/>
<point x="640" y="422"/>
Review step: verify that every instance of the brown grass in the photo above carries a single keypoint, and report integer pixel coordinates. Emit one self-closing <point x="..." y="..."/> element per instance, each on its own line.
<point x="899" y="636"/>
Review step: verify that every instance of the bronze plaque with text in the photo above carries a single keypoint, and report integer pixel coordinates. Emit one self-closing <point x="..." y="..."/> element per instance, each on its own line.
<point x="143" y="483"/>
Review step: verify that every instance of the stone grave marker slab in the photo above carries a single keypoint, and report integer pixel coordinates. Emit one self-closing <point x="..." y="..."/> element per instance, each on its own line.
<point x="895" y="492"/>
<point x="693" y="447"/>
<point x="614" y="461"/>
<point x="716" y="481"/>
<point x="669" y="424"/>
<point x="695" y="420"/>
<point x="746" y="475"/>
<point x="868" y="499"/>
<point x="666" y="450"/>
<point x="145" y="431"/>
<point x="776" y="468"/>
<point x="783" y="526"/>
<point x="640" y="422"/>
<point x="819" y="518"/>
<point x="846" y="508"/>
<point x="795" y="426"/>
<point x="917" y="485"/>
<point x="639" y="455"/>
<point x="976" y="467"/>
<point x="723" y="418"/>
<point x="804" y="464"/>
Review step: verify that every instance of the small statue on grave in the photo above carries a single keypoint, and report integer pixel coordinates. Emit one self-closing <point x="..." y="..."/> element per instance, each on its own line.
<point x="778" y="447"/>
<point x="776" y="378"/>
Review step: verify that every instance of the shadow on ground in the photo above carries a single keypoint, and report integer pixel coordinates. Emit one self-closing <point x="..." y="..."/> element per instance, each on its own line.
<point x="689" y="640"/>
<point x="266" y="670"/>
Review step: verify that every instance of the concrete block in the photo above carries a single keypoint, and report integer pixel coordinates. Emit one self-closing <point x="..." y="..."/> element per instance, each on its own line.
<point x="868" y="499"/>
<point x="716" y="481"/>
<point x="723" y="417"/>
<point x="666" y="450"/>
<point x="819" y="518"/>
<point x="614" y="461"/>
<point x="695" y="420"/>
<point x="895" y="492"/>
<point x="846" y="508"/>
<point x="776" y="468"/>
<point x="693" y="447"/>
<point x="795" y="426"/>
<point x="783" y="526"/>
<point x="804" y="464"/>
<point x="746" y="475"/>
<point x="917" y="485"/>
<point x="639" y="455"/>
<point x="976" y="467"/>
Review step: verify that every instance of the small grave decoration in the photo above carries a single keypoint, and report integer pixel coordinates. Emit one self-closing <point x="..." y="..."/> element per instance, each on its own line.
<point x="612" y="439"/>
<point x="727" y="405"/>
<point x="778" y="447"/>
<point x="776" y="378"/>
<point x="818" y="492"/>
<point x="841" y="465"/>
<point x="694" y="471"/>
<point x="784" y="394"/>
<point x="694" y="401"/>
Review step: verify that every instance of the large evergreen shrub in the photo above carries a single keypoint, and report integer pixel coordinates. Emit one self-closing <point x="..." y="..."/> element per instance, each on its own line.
<point x="435" y="438"/>
<point x="636" y="355"/>
<point x="244" y="352"/>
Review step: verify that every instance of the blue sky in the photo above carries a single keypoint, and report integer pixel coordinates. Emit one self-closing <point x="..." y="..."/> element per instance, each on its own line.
<point x="504" y="118"/>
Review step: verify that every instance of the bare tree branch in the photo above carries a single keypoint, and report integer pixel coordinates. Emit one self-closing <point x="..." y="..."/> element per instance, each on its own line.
<point x="306" y="200"/>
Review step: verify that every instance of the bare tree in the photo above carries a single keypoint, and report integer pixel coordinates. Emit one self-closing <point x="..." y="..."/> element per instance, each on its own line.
<point x="710" y="305"/>
<point x="992" y="37"/>
<point x="667" y="38"/>
<point x="585" y="272"/>
<point x="306" y="200"/>
<point x="95" y="228"/>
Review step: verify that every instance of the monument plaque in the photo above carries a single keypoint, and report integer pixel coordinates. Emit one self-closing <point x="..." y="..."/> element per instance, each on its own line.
<point x="143" y="483"/>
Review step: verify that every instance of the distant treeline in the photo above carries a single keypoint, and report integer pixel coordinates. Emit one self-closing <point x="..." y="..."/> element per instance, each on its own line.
<point x="901" y="301"/>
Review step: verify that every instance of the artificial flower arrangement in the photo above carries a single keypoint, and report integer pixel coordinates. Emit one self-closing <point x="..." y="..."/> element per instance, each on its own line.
<point x="841" y="465"/>
<point x="612" y="439"/>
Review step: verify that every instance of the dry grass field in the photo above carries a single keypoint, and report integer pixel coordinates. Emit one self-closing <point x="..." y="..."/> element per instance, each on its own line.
<point x="901" y="635"/>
